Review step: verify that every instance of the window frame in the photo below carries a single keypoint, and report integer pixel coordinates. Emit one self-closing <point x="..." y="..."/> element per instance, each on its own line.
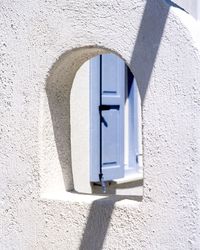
<point x="133" y="168"/>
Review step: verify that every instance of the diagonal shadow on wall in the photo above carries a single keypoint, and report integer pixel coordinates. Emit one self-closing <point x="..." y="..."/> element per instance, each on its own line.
<point x="99" y="220"/>
<point x="148" y="41"/>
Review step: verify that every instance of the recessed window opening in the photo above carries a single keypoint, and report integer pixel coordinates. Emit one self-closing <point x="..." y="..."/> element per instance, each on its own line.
<point x="105" y="110"/>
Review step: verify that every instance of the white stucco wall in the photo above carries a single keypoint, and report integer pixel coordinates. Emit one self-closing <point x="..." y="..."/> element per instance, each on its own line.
<point x="43" y="43"/>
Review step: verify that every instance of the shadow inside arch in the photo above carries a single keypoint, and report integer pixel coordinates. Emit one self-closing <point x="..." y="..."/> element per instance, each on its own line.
<point x="58" y="88"/>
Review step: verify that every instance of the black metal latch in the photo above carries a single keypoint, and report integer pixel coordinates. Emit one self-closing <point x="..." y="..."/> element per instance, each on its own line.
<point x="104" y="107"/>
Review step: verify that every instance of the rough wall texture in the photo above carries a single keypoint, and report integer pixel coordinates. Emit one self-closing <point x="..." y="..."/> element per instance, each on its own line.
<point x="40" y="55"/>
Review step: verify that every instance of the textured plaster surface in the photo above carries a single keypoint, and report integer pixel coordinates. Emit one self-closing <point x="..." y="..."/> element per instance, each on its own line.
<point x="43" y="43"/>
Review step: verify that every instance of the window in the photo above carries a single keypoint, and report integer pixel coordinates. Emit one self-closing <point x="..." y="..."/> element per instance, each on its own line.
<point x="115" y="147"/>
<point x="105" y="128"/>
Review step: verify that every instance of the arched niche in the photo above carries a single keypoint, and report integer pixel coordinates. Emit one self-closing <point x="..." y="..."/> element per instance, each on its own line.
<point x="56" y="152"/>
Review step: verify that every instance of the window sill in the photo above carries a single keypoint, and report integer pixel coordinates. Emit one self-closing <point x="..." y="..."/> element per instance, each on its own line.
<point x="73" y="197"/>
<point x="137" y="176"/>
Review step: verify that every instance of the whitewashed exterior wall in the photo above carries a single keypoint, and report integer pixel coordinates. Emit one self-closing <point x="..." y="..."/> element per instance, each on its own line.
<point x="43" y="43"/>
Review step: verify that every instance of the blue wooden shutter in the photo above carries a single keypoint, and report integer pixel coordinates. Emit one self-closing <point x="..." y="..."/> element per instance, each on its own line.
<point x="112" y="125"/>
<point x="107" y="91"/>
